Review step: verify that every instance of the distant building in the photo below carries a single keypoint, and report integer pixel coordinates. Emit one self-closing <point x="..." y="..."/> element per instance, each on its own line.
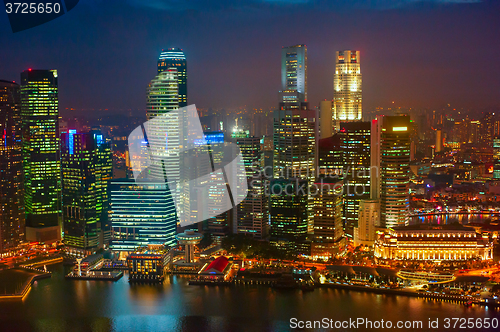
<point x="175" y="58"/>
<point x="41" y="155"/>
<point x="433" y="243"/>
<point x="12" y="218"/>
<point x="368" y="221"/>
<point x="347" y="87"/>
<point x="148" y="264"/>
<point x="294" y="71"/>
<point x="496" y="157"/>
<point x="141" y="214"/>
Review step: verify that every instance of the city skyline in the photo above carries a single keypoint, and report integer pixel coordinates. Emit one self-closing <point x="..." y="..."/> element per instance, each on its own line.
<point x="185" y="204"/>
<point x="394" y="68"/>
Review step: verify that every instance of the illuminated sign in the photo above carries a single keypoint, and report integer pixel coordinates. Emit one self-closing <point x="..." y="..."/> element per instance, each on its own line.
<point x="399" y="128"/>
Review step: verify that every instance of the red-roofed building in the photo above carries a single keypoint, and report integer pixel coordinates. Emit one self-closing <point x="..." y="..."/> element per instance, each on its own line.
<point x="216" y="270"/>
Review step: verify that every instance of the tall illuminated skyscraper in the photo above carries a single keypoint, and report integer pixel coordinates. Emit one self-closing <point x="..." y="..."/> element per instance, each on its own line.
<point x="253" y="212"/>
<point x="86" y="172"/>
<point x="294" y="72"/>
<point x="162" y="97"/>
<point x="328" y="237"/>
<point x="175" y="58"/>
<point x="12" y="224"/>
<point x="347" y="87"/>
<point x="288" y="215"/>
<point x="295" y="127"/>
<point x="41" y="155"/>
<point x="355" y="146"/>
<point x="391" y="169"/>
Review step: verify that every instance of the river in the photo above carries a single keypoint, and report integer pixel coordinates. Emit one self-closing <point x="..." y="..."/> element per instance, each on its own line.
<point x="57" y="304"/>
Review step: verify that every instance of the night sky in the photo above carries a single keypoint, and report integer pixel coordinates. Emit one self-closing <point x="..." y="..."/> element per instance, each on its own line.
<point x="415" y="53"/>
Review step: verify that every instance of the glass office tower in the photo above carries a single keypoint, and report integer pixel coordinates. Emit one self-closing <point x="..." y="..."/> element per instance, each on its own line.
<point x="41" y="155"/>
<point x="86" y="172"/>
<point x="141" y="214"/>
<point x="175" y="58"/>
<point x="355" y="146"/>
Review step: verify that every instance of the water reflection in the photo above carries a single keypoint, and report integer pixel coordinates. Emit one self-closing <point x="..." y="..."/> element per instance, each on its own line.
<point x="452" y="218"/>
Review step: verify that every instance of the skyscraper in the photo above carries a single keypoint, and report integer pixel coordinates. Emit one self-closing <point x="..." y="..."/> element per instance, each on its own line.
<point x="347" y="86"/>
<point x="329" y="237"/>
<point x="12" y="217"/>
<point x="86" y="171"/>
<point x="81" y="231"/>
<point x="391" y="169"/>
<point x="355" y="146"/>
<point x="175" y="58"/>
<point x="295" y="127"/>
<point x="41" y="155"/>
<point x="141" y="214"/>
<point x="288" y="215"/>
<point x="295" y="147"/>
<point x="252" y="213"/>
<point x="164" y="138"/>
<point x="294" y="71"/>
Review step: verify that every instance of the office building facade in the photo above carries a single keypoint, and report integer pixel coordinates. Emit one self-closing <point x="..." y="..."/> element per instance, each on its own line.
<point x="141" y="214"/>
<point x="86" y="172"/>
<point x="12" y="219"/>
<point x="41" y="155"/>
<point x="391" y="168"/>
<point x="356" y="152"/>
<point x="288" y="215"/>
<point x="175" y="58"/>
<point x="329" y="239"/>
<point x="347" y="93"/>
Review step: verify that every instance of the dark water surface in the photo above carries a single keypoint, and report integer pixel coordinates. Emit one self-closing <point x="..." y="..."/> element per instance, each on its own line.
<point x="57" y="304"/>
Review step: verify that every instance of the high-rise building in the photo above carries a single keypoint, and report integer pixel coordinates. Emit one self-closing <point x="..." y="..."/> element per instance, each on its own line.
<point x="294" y="72"/>
<point x="295" y="133"/>
<point x="175" y="58"/>
<point x="368" y="221"/>
<point x="288" y="215"/>
<point x="12" y="224"/>
<point x="391" y="168"/>
<point x="329" y="237"/>
<point x="252" y="213"/>
<point x="81" y="231"/>
<point x="141" y="214"/>
<point x="487" y="128"/>
<point x="347" y="87"/>
<point x="295" y="127"/>
<point x="86" y="172"/>
<point x="41" y="155"/>
<point x="104" y="174"/>
<point x="355" y="146"/>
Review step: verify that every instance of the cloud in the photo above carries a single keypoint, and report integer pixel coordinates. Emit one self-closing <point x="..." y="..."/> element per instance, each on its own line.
<point x="203" y="5"/>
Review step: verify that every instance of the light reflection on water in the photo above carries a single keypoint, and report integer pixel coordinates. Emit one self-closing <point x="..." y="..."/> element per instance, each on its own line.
<point x="451" y="218"/>
<point x="57" y="304"/>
